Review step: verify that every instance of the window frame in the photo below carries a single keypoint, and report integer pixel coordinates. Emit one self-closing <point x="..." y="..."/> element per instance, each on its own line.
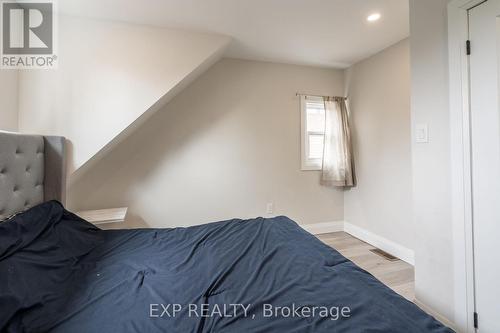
<point x="308" y="164"/>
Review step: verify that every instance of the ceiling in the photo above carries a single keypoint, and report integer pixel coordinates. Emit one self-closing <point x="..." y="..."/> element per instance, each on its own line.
<point x="329" y="33"/>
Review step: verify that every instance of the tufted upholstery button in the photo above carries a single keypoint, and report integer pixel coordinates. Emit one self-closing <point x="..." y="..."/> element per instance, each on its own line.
<point x="21" y="172"/>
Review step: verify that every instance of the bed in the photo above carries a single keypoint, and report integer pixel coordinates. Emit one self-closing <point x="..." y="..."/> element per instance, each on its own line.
<point x="59" y="273"/>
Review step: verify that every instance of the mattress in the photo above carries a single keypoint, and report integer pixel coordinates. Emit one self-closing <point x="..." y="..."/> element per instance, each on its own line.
<point x="59" y="273"/>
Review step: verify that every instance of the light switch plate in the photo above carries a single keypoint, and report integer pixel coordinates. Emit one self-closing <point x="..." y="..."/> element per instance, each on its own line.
<point x="421" y="133"/>
<point x="270" y="208"/>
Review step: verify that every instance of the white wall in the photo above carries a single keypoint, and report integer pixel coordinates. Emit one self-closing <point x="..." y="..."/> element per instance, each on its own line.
<point x="379" y="98"/>
<point x="223" y="148"/>
<point x="8" y="100"/>
<point x="109" y="75"/>
<point x="434" y="282"/>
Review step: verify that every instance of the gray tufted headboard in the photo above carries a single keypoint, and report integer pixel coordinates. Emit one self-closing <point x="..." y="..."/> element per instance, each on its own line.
<point x="32" y="171"/>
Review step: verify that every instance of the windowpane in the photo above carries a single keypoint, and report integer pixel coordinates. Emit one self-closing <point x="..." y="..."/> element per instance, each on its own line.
<point x="315" y="117"/>
<point x="316" y="142"/>
<point x="313" y="127"/>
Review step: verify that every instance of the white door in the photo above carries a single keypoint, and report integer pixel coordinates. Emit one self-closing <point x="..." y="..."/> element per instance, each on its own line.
<point x="484" y="30"/>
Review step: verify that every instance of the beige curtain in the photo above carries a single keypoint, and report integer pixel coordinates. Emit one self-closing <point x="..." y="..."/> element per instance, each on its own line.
<point x="338" y="162"/>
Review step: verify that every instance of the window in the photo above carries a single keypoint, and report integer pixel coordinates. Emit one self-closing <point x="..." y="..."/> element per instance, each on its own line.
<point x="313" y="132"/>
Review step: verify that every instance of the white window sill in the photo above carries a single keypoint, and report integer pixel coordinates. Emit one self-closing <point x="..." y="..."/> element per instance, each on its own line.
<point x="311" y="168"/>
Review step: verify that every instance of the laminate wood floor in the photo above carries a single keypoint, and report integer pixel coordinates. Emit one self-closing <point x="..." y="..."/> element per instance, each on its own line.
<point x="397" y="275"/>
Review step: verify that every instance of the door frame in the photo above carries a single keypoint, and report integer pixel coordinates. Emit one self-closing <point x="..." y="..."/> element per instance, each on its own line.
<point x="461" y="177"/>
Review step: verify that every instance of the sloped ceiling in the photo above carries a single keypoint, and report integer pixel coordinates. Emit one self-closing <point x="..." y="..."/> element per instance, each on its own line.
<point x="331" y="33"/>
<point x="111" y="76"/>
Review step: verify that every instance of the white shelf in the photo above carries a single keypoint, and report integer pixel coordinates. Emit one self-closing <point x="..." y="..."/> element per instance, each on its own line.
<point x="102" y="216"/>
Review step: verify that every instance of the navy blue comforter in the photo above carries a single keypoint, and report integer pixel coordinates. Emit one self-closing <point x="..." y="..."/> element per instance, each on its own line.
<point x="59" y="273"/>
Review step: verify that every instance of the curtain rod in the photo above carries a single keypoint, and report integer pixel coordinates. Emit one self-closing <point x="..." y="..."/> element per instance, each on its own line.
<point x="302" y="94"/>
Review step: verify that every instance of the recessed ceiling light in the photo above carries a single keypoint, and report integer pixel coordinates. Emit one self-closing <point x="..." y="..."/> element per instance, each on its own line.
<point x="373" y="17"/>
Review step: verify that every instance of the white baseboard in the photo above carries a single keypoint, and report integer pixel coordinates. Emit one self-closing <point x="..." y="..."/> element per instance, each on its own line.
<point x="324" y="227"/>
<point x="382" y="243"/>
<point x="436" y="315"/>
<point x="377" y="241"/>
